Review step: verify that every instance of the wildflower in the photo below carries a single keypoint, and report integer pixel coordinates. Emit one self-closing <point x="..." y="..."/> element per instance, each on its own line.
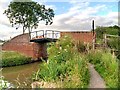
<point x="65" y="50"/>
<point x="60" y="48"/>
<point x="68" y="45"/>
<point x="5" y="84"/>
<point x="47" y="61"/>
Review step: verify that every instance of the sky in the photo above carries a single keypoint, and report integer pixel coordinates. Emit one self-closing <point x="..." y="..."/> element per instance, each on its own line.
<point x="70" y="15"/>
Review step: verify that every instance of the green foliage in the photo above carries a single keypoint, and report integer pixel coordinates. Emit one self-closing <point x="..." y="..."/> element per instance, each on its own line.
<point x="100" y="31"/>
<point x="94" y="57"/>
<point x="28" y="14"/>
<point x="106" y="65"/>
<point x="113" y="30"/>
<point x="113" y="43"/>
<point x="81" y="47"/>
<point x="64" y="65"/>
<point x="10" y="58"/>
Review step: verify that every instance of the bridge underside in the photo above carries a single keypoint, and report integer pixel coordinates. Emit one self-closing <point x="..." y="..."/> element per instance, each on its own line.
<point x="43" y="40"/>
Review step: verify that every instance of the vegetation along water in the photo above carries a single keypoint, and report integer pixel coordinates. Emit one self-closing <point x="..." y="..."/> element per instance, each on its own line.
<point x="65" y="67"/>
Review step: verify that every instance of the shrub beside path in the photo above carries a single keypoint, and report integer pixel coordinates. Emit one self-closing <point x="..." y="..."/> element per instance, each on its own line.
<point x="96" y="80"/>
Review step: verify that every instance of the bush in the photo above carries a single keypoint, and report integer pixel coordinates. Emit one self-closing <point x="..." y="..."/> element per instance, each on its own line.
<point x="106" y="65"/>
<point x="64" y="65"/>
<point x="10" y="58"/>
<point x="81" y="47"/>
<point x="113" y="43"/>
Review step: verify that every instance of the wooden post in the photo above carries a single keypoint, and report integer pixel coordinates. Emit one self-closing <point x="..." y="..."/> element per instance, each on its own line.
<point x="93" y="34"/>
<point x="113" y="53"/>
<point x="93" y="27"/>
<point x="105" y="40"/>
<point x="93" y="43"/>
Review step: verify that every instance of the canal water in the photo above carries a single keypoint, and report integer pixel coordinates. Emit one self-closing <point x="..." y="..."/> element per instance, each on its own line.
<point x="20" y="74"/>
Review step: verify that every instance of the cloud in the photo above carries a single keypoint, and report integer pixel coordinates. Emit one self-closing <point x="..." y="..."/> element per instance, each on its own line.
<point x="75" y="1"/>
<point x="3" y="19"/>
<point x="110" y="19"/>
<point x="78" y="17"/>
<point x="6" y="33"/>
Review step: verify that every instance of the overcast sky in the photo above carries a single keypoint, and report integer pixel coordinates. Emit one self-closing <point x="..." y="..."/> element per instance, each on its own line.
<point x="69" y="15"/>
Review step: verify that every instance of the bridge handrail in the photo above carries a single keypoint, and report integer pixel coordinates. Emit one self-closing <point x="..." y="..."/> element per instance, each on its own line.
<point x="45" y="30"/>
<point x="44" y="33"/>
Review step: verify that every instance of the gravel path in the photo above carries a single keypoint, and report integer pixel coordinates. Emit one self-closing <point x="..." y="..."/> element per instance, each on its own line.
<point x="95" y="79"/>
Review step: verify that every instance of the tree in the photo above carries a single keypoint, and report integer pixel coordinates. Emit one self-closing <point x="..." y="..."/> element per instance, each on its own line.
<point x="28" y="14"/>
<point x="113" y="30"/>
<point x="100" y="31"/>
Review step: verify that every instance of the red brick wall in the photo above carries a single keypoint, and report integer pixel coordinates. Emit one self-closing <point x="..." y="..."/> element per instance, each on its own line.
<point x="86" y="37"/>
<point x="22" y="44"/>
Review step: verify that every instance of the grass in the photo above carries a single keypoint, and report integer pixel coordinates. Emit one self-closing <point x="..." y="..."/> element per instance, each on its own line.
<point x="10" y="58"/>
<point x="106" y="65"/>
<point x="67" y="65"/>
<point x="64" y="66"/>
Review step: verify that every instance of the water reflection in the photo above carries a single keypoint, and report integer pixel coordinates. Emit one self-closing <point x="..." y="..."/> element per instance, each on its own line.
<point x="20" y="73"/>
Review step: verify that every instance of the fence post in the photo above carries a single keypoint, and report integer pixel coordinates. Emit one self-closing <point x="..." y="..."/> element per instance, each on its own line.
<point x="93" y="42"/>
<point x="93" y="34"/>
<point x="105" y="40"/>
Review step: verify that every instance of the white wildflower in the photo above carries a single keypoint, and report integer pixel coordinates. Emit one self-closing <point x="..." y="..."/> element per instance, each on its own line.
<point x="65" y="50"/>
<point x="60" y="48"/>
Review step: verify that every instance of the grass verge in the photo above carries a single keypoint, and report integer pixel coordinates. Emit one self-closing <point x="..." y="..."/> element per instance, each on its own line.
<point x="106" y="65"/>
<point x="10" y="58"/>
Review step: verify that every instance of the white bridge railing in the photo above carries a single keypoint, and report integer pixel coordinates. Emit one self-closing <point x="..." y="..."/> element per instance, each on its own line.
<point x="45" y="34"/>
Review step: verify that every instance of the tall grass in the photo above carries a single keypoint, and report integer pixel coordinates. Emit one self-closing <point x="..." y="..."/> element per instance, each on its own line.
<point x="64" y="65"/>
<point x="10" y="58"/>
<point x="106" y="65"/>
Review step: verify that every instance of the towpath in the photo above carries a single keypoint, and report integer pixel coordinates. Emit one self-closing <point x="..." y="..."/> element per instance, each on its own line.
<point x="96" y="80"/>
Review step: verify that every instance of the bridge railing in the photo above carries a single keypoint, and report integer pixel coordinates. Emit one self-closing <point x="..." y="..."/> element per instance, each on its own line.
<point x="45" y="34"/>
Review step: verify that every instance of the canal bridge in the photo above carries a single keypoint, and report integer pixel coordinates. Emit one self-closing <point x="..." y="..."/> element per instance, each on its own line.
<point x="40" y="39"/>
<point x="34" y="44"/>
